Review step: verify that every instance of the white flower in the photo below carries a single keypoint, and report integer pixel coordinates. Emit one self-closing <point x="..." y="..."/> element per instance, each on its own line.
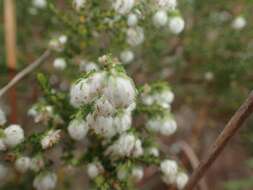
<point x="85" y="90"/>
<point x="102" y="125"/>
<point x="153" y="125"/>
<point x="79" y="93"/>
<point x="78" y="4"/>
<point x="37" y="163"/>
<point x="14" y="135"/>
<point x="94" y="169"/>
<point x="2" y="117"/>
<point x="50" y="139"/>
<point x="59" y="63"/>
<point x="169" y="169"/>
<point x="39" y="3"/>
<point x="122" y="122"/>
<point x="209" y="76"/>
<point x="176" y="24"/>
<point x="132" y="19"/>
<point x="122" y="6"/>
<point x="168" y="127"/>
<point x="88" y="66"/>
<point x="3" y="171"/>
<point x="137" y="173"/>
<point x="45" y="181"/>
<point x="127" y="56"/>
<point x="120" y="91"/>
<point x="63" y="39"/>
<point x="57" y="43"/>
<point x="2" y="145"/>
<point x="182" y="179"/>
<point x="103" y="107"/>
<point x="138" y="150"/>
<point x="126" y="145"/>
<point x="239" y="23"/>
<point x="153" y="151"/>
<point x="78" y="129"/>
<point x="135" y="36"/>
<point x="160" y="18"/>
<point x="167" y="4"/>
<point x="22" y="164"/>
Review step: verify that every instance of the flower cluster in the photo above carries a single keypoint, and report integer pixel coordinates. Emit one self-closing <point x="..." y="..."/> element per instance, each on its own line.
<point x="101" y="106"/>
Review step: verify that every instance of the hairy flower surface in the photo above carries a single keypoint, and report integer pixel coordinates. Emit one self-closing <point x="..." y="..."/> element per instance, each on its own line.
<point x="52" y="137"/>
<point x="160" y="18"/>
<point x="122" y="6"/>
<point x="176" y="24"/>
<point x="45" y="181"/>
<point x="14" y="135"/>
<point x="22" y="164"/>
<point x="135" y="36"/>
<point x="78" y="129"/>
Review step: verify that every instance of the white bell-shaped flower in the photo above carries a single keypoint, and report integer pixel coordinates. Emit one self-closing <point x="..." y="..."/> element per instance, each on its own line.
<point x="78" y="129"/>
<point x="45" y="181"/>
<point x="176" y="24"/>
<point x="160" y="18"/>
<point x="181" y="180"/>
<point x="127" y="56"/>
<point x="120" y="91"/>
<point x="123" y="6"/>
<point x="14" y="135"/>
<point x="23" y="164"/>
<point x="135" y="36"/>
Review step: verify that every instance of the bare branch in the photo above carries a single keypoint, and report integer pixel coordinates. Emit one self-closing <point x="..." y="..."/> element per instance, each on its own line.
<point x="25" y="72"/>
<point x="228" y="132"/>
<point x="193" y="160"/>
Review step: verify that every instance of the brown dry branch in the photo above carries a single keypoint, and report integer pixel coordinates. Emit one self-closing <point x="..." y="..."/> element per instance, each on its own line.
<point x="26" y="71"/>
<point x="193" y="160"/>
<point x="228" y="132"/>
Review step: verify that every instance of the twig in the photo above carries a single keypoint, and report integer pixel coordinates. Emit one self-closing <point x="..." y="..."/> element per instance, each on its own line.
<point x="25" y="72"/>
<point x="233" y="125"/>
<point x="193" y="160"/>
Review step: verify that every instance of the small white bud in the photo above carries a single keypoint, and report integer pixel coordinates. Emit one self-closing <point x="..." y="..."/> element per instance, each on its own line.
<point x="14" y="135"/>
<point x="94" y="169"/>
<point x="78" y="129"/>
<point x="59" y="63"/>
<point x="79" y="4"/>
<point x="135" y="36"/>
<point x="22" y="164"/>
<point x="137" y="173"/>
<point x="160" y="18"/>
<point x="182" y="179"/>
<point x="132" y="19"/>
<point x="168" y="127"/>
<point x="167" y="4"/>
<point x="37" y="163"/>
<point x="40" y="4"/>
<point x="127" y="56"/>
<point x="169" y="169"/>
<point x="153" y="151"/>
<point x="176" y="24"/>
<point x="239" y="23"/>
<point x="45" y="181"/>
<point x="123" y="6"/>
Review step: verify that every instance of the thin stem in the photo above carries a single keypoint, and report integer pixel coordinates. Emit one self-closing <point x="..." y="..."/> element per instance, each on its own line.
<point x="25" y="72"/>
<point x="228" y="132"/>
